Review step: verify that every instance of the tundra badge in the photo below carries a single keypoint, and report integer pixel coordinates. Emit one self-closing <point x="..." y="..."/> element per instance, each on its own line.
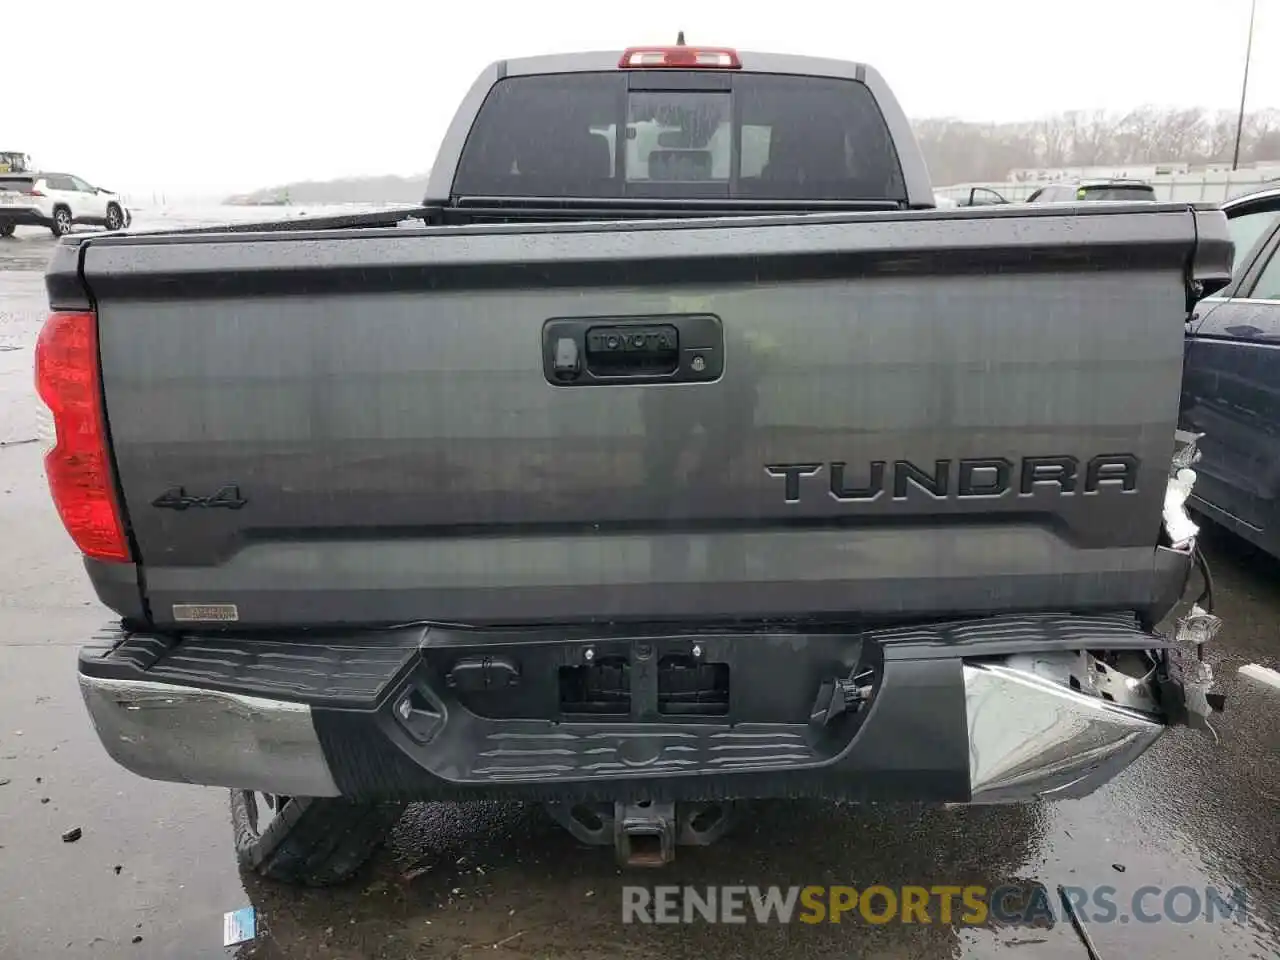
<point x="980" y="477"/>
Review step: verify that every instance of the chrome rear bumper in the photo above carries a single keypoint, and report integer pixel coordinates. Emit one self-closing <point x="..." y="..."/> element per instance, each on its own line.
<point x="167" y="732"/>
<point x="1031" y="737"/>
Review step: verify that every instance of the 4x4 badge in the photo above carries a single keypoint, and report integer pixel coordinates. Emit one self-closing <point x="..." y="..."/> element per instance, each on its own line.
<point x="177" y="498"/>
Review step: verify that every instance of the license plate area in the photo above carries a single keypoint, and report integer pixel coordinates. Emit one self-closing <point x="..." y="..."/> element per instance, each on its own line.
<point x="689" y="687"/>
<point x="596" y="689"/>
<point x="686" y="686"/>
<point x="765" y="677"/>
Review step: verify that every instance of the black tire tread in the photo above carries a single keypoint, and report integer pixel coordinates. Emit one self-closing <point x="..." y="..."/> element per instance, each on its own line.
<point x="313" y="842"/>
<point x="54" y="228"/>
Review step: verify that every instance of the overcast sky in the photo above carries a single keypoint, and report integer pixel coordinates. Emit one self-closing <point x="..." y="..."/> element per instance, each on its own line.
<point x="204" y="98"/>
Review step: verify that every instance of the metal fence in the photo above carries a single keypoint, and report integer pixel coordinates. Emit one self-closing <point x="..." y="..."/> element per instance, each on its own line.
<point x="1212" y="186"/>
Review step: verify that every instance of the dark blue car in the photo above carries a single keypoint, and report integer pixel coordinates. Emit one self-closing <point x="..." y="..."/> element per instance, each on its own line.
<point x="1231" y="384"/>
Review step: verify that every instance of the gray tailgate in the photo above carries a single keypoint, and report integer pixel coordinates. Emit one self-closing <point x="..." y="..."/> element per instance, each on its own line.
<point x="380" y="403"/>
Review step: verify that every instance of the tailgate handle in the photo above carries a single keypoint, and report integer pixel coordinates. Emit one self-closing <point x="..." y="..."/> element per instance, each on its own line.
<point x="629" y="351"/>
<point x="633" y="350"/>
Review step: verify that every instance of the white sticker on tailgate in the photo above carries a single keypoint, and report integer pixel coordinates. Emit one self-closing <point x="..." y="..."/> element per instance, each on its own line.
<point x="194" y="612"/>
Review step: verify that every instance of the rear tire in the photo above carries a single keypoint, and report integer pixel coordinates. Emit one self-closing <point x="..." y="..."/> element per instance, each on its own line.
<point x="7" y="229"/>
<point x="307" y="841"/>
<point x="61" y="222"/>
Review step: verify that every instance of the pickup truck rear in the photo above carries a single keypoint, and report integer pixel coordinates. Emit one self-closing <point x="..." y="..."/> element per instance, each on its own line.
<point x="638" y="474"/>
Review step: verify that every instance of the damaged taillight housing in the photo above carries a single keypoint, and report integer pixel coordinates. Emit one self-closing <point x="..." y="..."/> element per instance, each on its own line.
<point x="1178" y="525"/>
<point x="78" y="468"/>
<point x="1199" y="625"/>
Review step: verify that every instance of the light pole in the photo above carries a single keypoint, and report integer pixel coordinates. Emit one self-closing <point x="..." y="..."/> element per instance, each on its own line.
<point x="1244" y="85"/>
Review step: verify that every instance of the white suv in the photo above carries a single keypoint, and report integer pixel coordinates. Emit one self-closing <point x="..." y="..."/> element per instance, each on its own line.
<point x="56" y="201"/>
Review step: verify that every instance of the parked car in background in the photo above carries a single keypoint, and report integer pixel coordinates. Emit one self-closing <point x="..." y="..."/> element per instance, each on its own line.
<point x="1231" y="383"/>
<point x="57" y="201"/>
<point x="1249" y="219"/>
<point x="1074" y="191"/>
<point x="982" y="197"/>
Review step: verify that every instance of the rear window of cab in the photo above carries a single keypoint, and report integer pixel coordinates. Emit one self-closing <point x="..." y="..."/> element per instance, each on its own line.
<point x="596" y="135"/>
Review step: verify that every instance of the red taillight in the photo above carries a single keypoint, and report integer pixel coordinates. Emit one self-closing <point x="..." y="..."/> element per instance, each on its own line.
<point x="79" y="466"/>
<point x="684" y="58"/>
<point x="34" y="193"/>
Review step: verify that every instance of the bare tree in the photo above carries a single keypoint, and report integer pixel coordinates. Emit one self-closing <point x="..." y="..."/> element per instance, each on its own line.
<point x="958" y="151"/>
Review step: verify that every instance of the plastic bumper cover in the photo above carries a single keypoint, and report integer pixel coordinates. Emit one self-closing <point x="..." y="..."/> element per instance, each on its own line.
<point x="24" y="216"/>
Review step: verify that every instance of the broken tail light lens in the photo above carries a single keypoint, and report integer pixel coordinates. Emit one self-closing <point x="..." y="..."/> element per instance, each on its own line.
<point x="78" y="467"/>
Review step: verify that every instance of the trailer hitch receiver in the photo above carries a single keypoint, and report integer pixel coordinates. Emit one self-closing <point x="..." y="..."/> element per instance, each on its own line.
<point x="645" y="833"/>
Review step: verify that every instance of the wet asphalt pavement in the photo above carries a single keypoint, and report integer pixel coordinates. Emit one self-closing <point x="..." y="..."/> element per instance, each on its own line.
<point x="154" y="872"/>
